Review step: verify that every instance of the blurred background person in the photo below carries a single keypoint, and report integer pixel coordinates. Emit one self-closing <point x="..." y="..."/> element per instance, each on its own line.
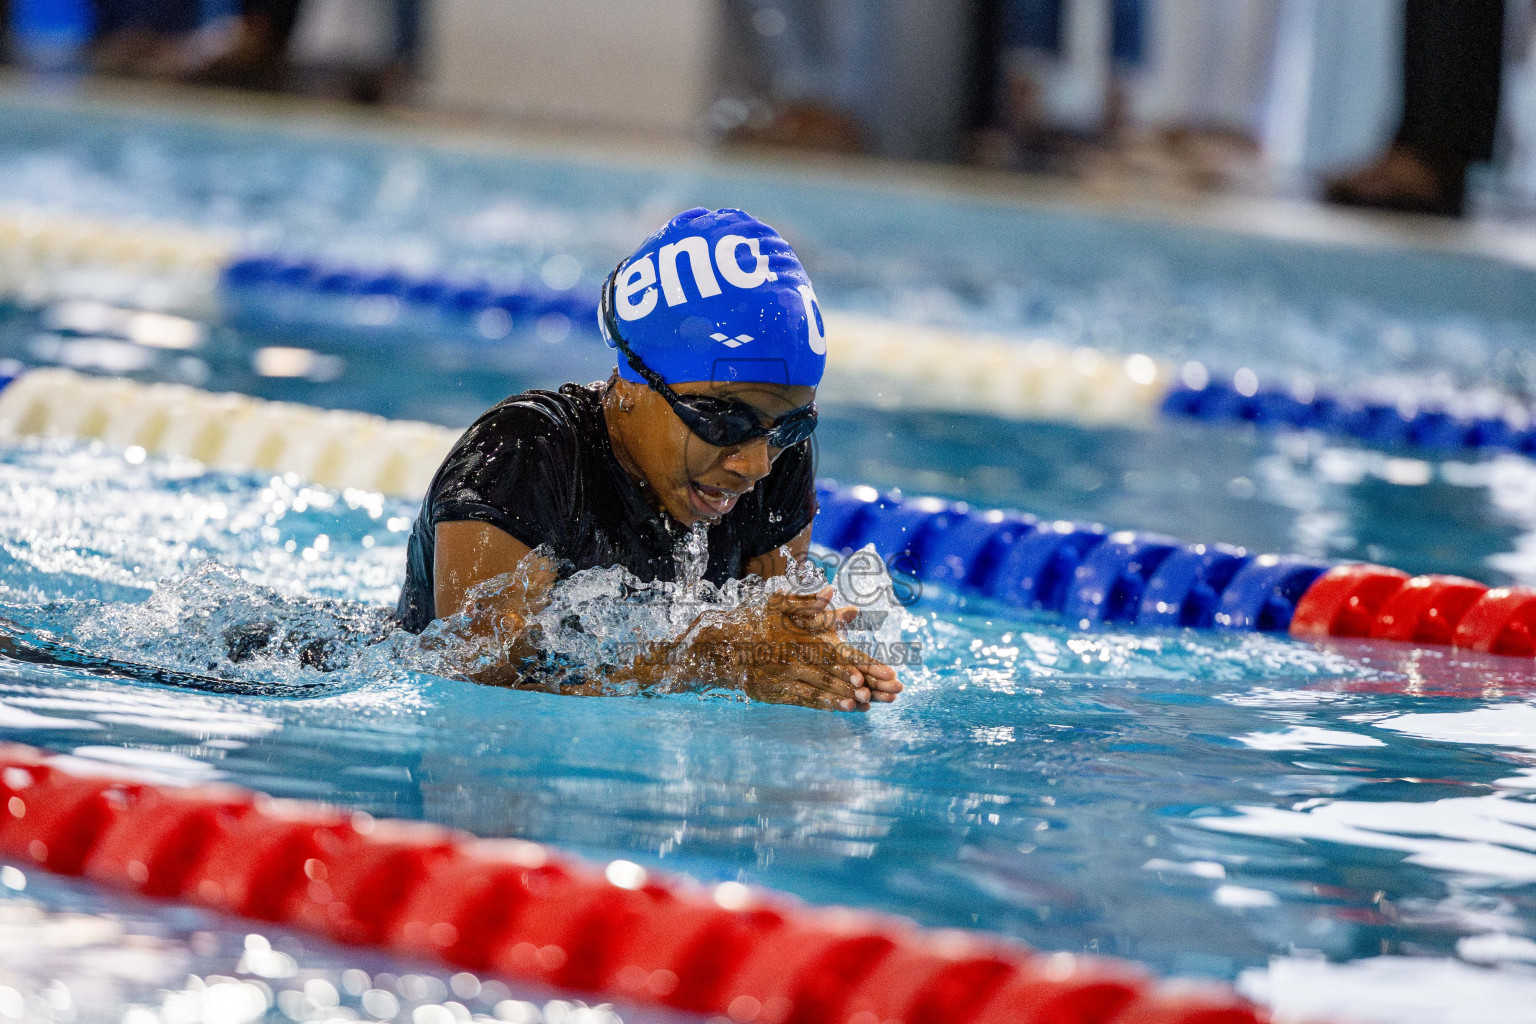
<point x="363" y="50"/>
<point x="1452" y="68"/>
<point x="1056" y="81"/>
<point x="1128" y="92"/>
<point x="1130" y="97"/>
<point x="891" y="77"/>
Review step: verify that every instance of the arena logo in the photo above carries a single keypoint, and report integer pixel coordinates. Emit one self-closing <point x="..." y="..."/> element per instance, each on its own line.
<point x="636" y="294"/>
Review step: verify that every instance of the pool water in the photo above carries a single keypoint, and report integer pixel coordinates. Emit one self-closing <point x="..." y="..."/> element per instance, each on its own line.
<point x="1322" y="823"/>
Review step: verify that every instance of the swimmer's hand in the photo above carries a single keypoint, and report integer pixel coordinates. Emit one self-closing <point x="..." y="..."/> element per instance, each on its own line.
<point x="790" y="652"/>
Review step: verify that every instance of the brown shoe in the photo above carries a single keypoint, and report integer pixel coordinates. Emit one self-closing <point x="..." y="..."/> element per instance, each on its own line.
<point x="249" y="58"/>
<point x="1401" y="180"/>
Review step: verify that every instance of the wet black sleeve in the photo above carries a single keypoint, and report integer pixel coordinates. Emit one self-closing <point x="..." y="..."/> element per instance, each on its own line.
<point x="786" y="503"/>
<point x="514" y="469"/>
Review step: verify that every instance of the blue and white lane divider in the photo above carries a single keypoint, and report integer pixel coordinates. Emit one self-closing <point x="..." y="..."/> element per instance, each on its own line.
<point x="46" y="256"/>
<point x="928" y="367"/>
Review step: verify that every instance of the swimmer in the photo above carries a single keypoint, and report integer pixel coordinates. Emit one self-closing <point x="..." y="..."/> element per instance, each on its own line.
<point x="705" y="423"/>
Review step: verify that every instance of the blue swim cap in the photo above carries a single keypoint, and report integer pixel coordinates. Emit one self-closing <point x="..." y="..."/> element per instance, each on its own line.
<point x="717" y="296"/>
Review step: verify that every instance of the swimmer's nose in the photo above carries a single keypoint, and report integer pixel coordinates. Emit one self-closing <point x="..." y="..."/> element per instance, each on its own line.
<point x="750" y="461"/>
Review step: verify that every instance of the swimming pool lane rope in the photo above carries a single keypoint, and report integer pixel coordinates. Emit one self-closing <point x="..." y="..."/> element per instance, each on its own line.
<point x="1090" y="576"/>
<point x="527" y="912"/>
<point x="46" y="256"/>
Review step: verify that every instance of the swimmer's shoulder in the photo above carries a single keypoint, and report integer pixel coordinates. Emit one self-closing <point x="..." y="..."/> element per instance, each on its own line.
<point x="564" y="417"/>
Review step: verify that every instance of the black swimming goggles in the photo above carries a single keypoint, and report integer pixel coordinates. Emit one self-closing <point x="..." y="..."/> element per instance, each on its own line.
<point x="721" y="422"/>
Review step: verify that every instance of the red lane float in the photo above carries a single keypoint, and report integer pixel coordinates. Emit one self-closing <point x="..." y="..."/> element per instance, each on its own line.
<point x="1503" y="621"/>
<point x="683" y="953"/>
<point x="1426" y="609"/>
<point x="1344" y="600"/>
<point x="155" y="842"/>
<point x="1064" y="988"/>
<point x="466" y="902"/>
<point x="1187" y="1007"/>
<point x="521" y="910"/>
<point x="53" y="818"/>
<point x="1382" y="603"/>
<point x="940" y="977"/>
<point x="353" y="864"/>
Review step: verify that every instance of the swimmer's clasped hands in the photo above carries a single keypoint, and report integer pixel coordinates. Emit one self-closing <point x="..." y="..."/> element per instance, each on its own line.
<point x="806" y="660"/>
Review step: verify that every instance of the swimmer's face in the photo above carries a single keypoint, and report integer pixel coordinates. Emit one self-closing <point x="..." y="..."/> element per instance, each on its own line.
<point x="696" y="482"/>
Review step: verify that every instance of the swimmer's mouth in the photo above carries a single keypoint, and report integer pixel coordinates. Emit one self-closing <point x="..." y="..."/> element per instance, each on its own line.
<point x="712" y="502"/>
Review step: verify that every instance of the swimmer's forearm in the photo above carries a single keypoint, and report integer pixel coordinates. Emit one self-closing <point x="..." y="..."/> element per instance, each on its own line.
<point x="706" y="650"/>
<point x="667" y="662"/>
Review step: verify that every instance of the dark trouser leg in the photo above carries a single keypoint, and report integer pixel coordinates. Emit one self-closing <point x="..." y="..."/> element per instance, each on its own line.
<point x="284" y="14"/>
<point x="985" y="85"/>
<point x="110" y="15"/>
<point x="280" y="17"/>
<point x="1452" y="61"/>
<point x="172" y="17"/>
<point x="408" y="32"/>
<point x="1452" y="57"/>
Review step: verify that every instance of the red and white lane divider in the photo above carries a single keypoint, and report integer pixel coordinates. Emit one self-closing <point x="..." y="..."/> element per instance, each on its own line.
<point x="524" y="911"/>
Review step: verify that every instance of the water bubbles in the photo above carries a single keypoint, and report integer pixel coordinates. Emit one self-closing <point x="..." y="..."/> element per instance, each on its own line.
<point x="1140" y="368"/>
<point x="625" y="874"/>
<point x="493" y="324"/>
<point x="263" y="961"/>
<point x="517" y="1011"/>
<point x="322" y="993"/>
<point x="692" y="557"/>
<point x="560" y="272"/>
<point x="380" y="1004"/>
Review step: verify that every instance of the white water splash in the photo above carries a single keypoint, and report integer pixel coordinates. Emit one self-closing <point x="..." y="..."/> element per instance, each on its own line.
<point x="598" y="620"/>
<point x="864" y="582"/>
<point x="213" y="621"/>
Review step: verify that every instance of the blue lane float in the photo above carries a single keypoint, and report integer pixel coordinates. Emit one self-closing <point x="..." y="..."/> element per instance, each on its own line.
<point x="964" y="547"/>
<point x="1108" y="585"/>
<point x="1187" y="586"/>
<point x="1373" y="422"/>
<point x="1038" y="566"/>
<point x="440" y="295"/>
<point x="1091" y="577"/>
<point x="1262" y="596"/>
